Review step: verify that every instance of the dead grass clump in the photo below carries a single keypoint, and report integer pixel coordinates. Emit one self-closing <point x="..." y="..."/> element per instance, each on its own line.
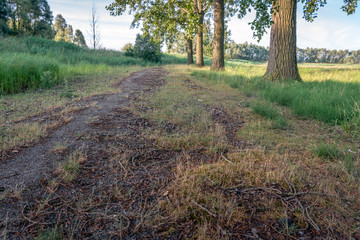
<point x="69" y="169"/>
<point x="20" y="134"/>
<point x="258" y="191"/>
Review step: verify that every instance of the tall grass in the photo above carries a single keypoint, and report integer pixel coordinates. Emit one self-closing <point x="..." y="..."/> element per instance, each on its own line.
<point x="23" y="71"/>
<point x="328" y="95"/>
<point x="33" y="62"/>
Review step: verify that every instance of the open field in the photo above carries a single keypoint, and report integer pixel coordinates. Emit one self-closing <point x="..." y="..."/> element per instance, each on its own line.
<point x="179" y="152"/>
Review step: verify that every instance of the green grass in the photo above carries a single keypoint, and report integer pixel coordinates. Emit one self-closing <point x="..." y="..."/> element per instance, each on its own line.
<point x="328" y="151"/>
<point x="32" y="62"/>
<point x="24" y="71"/>
<point x="328" y="95"/>
<point x="268" y="111"/>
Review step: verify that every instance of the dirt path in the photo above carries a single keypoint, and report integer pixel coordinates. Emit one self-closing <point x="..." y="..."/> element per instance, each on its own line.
<point x="35" y="163"/>
<point x="120" y="179"/>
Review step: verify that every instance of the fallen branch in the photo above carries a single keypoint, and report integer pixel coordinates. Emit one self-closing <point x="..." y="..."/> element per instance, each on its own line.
<point x="227" y="159"/>
<point x="203" y="208"/>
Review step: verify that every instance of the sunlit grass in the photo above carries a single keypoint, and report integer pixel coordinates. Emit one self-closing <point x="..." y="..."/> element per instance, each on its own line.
<point x="330" y="95"/>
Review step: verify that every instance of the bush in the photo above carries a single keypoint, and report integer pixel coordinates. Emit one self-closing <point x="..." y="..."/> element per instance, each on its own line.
<point x="128" y="50"/>
<point x="147" y="49"/>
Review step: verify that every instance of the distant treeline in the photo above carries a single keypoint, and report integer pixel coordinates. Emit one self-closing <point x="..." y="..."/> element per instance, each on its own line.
<point x="252" y="52"/>
<point x="35" y="18"/>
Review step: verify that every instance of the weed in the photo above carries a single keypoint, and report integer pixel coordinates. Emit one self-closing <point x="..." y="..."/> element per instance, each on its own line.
<point x="50" y="234"/>
<point x="69" y="169"/>
<point x="328" y="151"/>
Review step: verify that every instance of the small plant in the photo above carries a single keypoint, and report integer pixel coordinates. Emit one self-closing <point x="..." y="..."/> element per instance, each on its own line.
<point x="328" y="151"/>
<point x="50" y="234"/>
<point x="69" y="169"/>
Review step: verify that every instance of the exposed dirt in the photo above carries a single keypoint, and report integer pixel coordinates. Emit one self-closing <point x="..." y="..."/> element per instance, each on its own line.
<point x="121" y="180"/>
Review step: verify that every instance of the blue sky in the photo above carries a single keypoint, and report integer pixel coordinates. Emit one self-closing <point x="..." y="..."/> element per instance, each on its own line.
<point x="333" y="29"/>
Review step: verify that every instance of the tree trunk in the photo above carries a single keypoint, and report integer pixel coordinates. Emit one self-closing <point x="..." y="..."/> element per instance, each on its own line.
<point x="219" y="36"/>
<point x="200" y="38"/>
<point x="282" y="64"/>
<point x="189" y="49"/>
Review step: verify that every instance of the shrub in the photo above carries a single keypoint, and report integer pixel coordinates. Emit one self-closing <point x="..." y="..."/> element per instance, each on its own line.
<point x="128" y="50"/>
<point x="147" y="49"/>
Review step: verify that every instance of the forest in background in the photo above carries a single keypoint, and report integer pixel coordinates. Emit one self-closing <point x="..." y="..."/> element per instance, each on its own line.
<point x="34" y="18"/>
<point x="253" y="52"/>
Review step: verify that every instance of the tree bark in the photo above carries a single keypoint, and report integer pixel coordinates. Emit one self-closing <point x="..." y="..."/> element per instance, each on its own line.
<point x="200" y="37"/>
<point x="189" y="49"/>
<point x="282" y="64"/>
<point x="219" y="36"/>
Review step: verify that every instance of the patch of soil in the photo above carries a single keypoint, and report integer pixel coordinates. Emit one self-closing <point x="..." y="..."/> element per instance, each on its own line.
<point x="191" y="85"/>
<point x="230" y="124"/>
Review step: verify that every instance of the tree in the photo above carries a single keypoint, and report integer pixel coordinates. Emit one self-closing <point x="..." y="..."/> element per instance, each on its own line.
<point x="4" y="14"/>
<point x="30" y="17"/>
<point x="128" y="50"/>
<point x="69" y="34"/>
<point x="147" y="49"/>
<point x="94" y="29"/>
<point x="162" y="19"/>
<point x="79" y="39"/>
<point x="20" y="22"/>
<point x="219" y="25"/>
<point x="282" y="62"/>
<point x="59" y="27"/>
<point x="42" y="24"/>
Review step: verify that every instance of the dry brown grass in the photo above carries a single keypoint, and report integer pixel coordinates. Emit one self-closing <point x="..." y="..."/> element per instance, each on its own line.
<point x="68" y="169"/>
<point x="250" y="187"/>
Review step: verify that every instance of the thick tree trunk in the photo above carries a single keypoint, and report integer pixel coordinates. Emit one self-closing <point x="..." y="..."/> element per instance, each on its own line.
<point x="219" y="36"/>
<point x="200" y="38"/>
<point x="189" y="49"/>
<point x="282" y="64"/>
<point x="200" y="48"/>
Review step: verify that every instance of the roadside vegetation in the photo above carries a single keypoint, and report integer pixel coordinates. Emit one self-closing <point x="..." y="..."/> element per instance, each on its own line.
<point x="329" y="95"/>
<point x="33" y="62"/>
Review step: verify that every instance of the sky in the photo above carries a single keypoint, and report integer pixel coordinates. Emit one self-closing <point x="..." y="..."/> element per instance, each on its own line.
<point x="333" y="29"/>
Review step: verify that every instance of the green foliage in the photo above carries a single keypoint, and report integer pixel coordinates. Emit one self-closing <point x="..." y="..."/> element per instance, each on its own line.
<point x="60" y="27"/>
<point x="23" y="71"/>
<point x="328" y="151"/>
<point x="128" y="50"/>
<point x="30" y="17"/>
<point x="4" y="11"/>
<point x="147" y="49"/>
<point x="79" y="39"/>
<point x="247" y="51"/>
